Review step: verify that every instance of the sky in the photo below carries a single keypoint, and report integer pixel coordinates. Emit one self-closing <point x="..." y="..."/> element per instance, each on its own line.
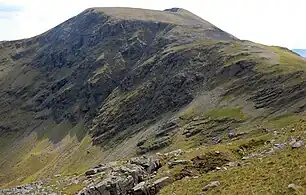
<point x="270" y="22"/>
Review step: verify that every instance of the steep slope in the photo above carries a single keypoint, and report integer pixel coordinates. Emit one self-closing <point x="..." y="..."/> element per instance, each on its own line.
<point x="133" y="81"/>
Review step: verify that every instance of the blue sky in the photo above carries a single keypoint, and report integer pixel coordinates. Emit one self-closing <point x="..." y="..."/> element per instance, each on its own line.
<point x="270" y="22"/>
<point x="7" y="11"/>
<point x="7" y="8"/>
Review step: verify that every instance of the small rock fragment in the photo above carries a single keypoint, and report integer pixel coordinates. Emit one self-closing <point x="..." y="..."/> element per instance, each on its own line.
<point x="178" y="162"/>
<point x="232" y="134"/>
<point x="216" y="140"/>
<point x="233" y="164"/>
<point x="174" y="153"/>
<point x="294" y="186"/>
<point x="245" y="158"/>
<point x="280" y="145"/>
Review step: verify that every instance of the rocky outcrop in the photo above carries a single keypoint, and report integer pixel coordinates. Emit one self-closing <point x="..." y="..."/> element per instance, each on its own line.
<point x="130" y="178"/>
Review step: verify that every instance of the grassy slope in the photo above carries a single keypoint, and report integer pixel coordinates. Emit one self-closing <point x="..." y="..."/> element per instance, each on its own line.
<point x="270" y="175"/>
<point x="265" y="175"/>
<point x="181" y="18"/>
<point x="37" y="156"/>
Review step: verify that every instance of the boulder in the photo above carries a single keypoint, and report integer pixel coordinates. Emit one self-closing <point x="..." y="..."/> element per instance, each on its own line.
<point x="297" y="144"/>
<point x="95" y="171"/>
<point x="212" y="185"/>
<point x="111" y="185"/>
<point x="162" y="182"/>
<point x="150" y="164"/>
<point x="90" y="172"/>
<point x="140" y="188"/>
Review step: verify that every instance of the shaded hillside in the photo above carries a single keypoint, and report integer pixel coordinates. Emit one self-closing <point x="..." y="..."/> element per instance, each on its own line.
<point x="133" y="81"/>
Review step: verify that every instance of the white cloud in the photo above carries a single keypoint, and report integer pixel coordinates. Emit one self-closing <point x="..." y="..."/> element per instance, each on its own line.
<point x="272" y="22"/>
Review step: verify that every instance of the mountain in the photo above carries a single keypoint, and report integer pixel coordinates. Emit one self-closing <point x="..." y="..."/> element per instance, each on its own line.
<point x="113" y="83"/>
<point x="301" y="52"/>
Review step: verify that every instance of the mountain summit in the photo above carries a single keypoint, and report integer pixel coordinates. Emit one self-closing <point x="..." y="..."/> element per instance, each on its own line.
<point x="113" y="83"/>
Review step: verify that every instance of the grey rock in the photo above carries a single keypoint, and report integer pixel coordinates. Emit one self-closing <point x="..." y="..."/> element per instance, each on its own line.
<point x="232" y="134"/>
<point x="172" y="123"/>
<point x="294" y="186"/>
<point x="280" y="145"/>
<point x="95" y="171"/>
<point x="140" y="188"/>
<point x="216" y="140"/>
<point x="174" y="153"/>
<point x="213" y="184"/>
<point x="90" y="172"/>
<point x="178" y="162"/>
<point x="125" y="179"/>
<point x="162" y="182"/>
<point x="297" y="144"/>
<point x="233" y="164"/>
<point x="150" y="164"/>
<point x="196" y="118"/>
<point x="186" y="131"/>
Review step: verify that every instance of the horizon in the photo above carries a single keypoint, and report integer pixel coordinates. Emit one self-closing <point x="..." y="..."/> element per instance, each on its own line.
<point x="29" y="18"/>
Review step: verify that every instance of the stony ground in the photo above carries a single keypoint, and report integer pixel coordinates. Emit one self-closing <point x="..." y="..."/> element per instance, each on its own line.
<point x="159" y="173"/>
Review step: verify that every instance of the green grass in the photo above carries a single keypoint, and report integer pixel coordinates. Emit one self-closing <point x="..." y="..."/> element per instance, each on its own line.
<point x="284" y="121"/>
<point x="103" y="70"/>
<point x="227" y="112"/>
<point x="41" y="157"/>
<point x="73" y="189"/>
<point x="279" y="61"/>
<point x="288" y="60"/>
